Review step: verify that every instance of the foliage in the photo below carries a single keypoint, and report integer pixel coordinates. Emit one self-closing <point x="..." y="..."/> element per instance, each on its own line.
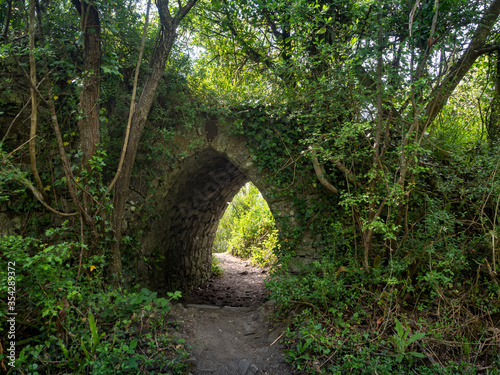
<point x="393" y="102"/>
<point x="217" y="271"/>
<point x="402" y="342"/>
<point x="247" y="228"/>
<point x="71" y="322"/>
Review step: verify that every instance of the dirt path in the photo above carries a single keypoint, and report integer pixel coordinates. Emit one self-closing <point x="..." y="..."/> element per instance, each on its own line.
<point x="226" y="324"/>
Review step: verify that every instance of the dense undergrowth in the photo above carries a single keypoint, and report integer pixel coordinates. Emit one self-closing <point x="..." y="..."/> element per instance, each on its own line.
<point x="430" y="302"/>
<point x="70" y="321"/>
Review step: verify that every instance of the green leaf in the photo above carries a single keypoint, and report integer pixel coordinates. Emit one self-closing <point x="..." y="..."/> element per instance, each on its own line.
<point x="133" y="344"/>
<point x="416" y="354"/>
<point x="399" y="328"/>
<point x="65" y="351"/>
<point x="415" y="337"/>
<point x="137" y="299"/>
<point x="85" y="351"/>
<point x="93" y="331"/>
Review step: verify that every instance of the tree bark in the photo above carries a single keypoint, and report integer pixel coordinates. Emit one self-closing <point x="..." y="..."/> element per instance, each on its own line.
<point x="88" y="123"/>
<point x="5" y="35"/>
<point x="164" y="43"/>
<point x="34" y="99"/>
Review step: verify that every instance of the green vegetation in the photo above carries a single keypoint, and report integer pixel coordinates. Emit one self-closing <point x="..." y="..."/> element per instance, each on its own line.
<point x="247" y="229"/>
<point x="217" y="271"/>
<point x="71" y="322"/>
<point x="378" y="120"/>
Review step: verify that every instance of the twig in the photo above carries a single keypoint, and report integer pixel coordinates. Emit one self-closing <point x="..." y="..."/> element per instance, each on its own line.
<point x="81" y="251"/>
<point x="13" y="121"/>
<point x="274" y="342"/>
<point x="18" y="148"/>
<point x="132" y="100"/>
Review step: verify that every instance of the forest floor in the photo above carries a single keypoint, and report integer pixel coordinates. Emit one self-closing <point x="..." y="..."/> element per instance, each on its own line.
<point x="226" y="324"/>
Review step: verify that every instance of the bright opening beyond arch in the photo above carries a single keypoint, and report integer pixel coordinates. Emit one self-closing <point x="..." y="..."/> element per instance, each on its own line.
<point x="247" y="229"/>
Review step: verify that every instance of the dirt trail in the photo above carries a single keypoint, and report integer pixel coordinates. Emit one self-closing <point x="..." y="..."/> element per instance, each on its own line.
<point x="226" y="324"/>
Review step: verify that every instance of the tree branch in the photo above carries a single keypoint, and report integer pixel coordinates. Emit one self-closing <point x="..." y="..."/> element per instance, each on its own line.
<point x="442" y="92"/>
<point x="132" y="100"/>
<point x="24" y="181"/>
<point x="320" y="173"/>
<point x="489" y="49"/>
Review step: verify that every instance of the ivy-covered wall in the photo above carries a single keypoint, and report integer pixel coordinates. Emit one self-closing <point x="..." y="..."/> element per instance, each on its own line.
<point x="178" y="218"/>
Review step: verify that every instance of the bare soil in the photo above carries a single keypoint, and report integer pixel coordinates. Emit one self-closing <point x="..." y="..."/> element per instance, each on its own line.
<point x="226" y="324"/>
<point x="241" y="285"/>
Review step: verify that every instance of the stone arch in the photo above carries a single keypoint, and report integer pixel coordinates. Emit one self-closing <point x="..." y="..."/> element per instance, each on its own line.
<point x="177" y="242"/>
<point x="180" y="225"/>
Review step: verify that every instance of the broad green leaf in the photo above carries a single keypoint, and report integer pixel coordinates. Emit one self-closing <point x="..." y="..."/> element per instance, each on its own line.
<point x="416" y="354"/>
<point x="415" y="337"/>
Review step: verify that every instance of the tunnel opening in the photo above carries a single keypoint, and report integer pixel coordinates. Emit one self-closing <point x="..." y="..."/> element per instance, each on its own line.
<point x="177" y="250"/>
<point x="242" y="253"/>
<point x="248" y="229"/>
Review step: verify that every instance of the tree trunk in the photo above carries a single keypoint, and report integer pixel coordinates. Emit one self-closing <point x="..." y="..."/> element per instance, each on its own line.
<point x="34" y="99"/>
<point x="164" y="43"/>
<point x="88" y="123"/>
<point x="441" y="94"/>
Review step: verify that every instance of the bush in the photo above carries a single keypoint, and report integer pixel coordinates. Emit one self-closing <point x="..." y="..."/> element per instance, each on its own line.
<point x="68" y="322"/>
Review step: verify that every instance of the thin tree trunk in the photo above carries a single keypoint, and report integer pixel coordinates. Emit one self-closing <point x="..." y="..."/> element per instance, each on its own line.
<point x="88" y="122"/>
<point x="132" y="101"/>
<point x="164" y="43"/>
<point x="5" y="35"/>
<point x="440" y="94"/>
<point x="34" y="100"/>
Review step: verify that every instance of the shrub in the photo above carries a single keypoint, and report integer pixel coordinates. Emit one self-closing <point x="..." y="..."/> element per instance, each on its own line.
<point x="68" y="322"/>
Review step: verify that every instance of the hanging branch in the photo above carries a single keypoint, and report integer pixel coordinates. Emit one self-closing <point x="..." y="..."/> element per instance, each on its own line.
<point x="24" y="181"/>
<point x="34" y="101"/>
<point x="68" y="173"/>
<point x="320" y="173"/>
<point x="132" y="100"/>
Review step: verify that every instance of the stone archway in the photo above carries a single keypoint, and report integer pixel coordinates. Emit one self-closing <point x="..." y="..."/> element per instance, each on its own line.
<point x="180" y="224"/>
<point x="183" y="236"/>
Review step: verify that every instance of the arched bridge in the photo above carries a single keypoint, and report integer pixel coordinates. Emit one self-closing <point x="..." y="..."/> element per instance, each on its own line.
<point x="179" y="218"/>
